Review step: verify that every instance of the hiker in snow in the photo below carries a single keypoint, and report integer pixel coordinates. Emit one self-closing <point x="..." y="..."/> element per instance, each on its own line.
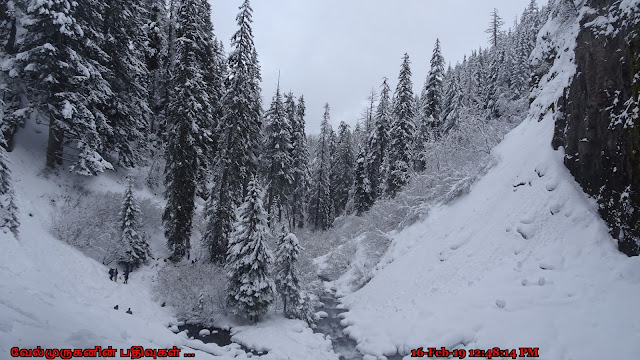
<point x="115" y="307"/>
<point x="111" y="274"/>
<point x="129" y="312"/>
<point x="126" y="275"/>
<point x="115" y="275"/>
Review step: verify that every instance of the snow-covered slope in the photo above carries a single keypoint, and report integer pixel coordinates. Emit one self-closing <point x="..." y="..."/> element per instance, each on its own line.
<point x="53" y="296"/>
<point x="524" y="260"/>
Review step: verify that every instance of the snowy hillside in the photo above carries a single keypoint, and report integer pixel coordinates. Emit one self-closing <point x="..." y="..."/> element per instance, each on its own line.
<point x="54" y="296"/>
<point x="524" y="260"/>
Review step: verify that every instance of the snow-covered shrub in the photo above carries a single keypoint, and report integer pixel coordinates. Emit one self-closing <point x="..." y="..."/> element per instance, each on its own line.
<point x="197" y="291"/>
<point x="355" y="244"/>
<point x="90" y="222"/>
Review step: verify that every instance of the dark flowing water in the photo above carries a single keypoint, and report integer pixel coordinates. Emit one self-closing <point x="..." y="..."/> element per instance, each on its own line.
<point x="330" y="326"/>
<point x="343" y="345"/>
<point x="219" y="337"/>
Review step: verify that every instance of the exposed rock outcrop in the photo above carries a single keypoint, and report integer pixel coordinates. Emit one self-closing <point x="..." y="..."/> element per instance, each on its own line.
<point x="600" y="123"/>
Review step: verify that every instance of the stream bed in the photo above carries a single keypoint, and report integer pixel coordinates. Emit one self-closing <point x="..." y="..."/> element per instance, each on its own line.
<point x="330" y="326"/>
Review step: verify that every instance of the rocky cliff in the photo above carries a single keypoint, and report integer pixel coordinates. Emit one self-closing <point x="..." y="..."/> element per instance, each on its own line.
<point x="599" y="125"/>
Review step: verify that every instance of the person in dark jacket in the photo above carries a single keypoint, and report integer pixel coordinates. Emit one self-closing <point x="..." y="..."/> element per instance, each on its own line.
<point x="129" y="312"/>
<point x="111" y="274"/>
<point x="115" y="307"/>
<point x="115" y="275"/>
<point x="126" y="275"/>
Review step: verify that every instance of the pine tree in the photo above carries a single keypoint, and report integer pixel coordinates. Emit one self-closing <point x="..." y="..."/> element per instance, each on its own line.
<point x="432" y="91"/>
<point x="9" y="12"/>
<point x="300" y="156"/>
<point x="454" y="102"/>
<point x="369" y="113"/>
<point x="363" y="193"/>
<point x="157" y="62"/>
<point x="494" y="29"/>
<point x="188" y="114"/>
<point x="320" y="204"/>
<point x="127" y="111"/>
<point x="239" y="141"/>
<point x="11" y="88"/>
<point x="251" y="287"/>
<point x="278" y="161"/>
<point x="8" y="210"/>
<point x="401" y="132"/>
<point x="342" y="169"/>
<point x="378" y="144"/>
<point x="60" y="62"/>
<point x="287" y="276"/>
<point x="138" y="251"/>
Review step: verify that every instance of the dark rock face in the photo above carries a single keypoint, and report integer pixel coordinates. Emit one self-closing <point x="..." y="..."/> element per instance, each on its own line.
<point x="600" y="126"/>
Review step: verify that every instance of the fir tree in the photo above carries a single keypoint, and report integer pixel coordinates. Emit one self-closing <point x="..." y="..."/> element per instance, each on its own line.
<point x="495" y="28"/>
<point x="287" y="276"/>
<point x="138" y="251"/>
<point x="432" y="91"/>
<point x="300" y="156"/>
<point x="362" y="197"/>
<point x="251" y="288"/>
<point x="157" y="62"/>
<point x="12" y="90"/>
<point x="8" y="210"/>
<point x="239" y="130"/>
<point x="454" y="102"/>
<point x="127" y="111"/>
<point x="378" y="144"/>
<point x="278" y="161"/>
<point x="401" y="132"/>
<point x="343" y="166"/>
<point x="187" y="115"/>
<point x="61" y="64"/>
<point x="369" y="113"/>
<point x="320" y="204"/>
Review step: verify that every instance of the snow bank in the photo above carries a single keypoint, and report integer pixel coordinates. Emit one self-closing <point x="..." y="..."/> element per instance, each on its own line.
<point x="523" y="260"/>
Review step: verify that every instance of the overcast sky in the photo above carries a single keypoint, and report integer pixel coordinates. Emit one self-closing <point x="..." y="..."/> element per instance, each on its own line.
<point x="335" y="51"/>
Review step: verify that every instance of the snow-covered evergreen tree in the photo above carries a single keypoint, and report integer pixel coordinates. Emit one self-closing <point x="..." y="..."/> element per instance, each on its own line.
<point x="137" y="248"/>
<point x="8" y="210"/>
<point x="432" y="91"/>
<point x="287" y="276"/>
<point x="157" y="62"/>
<point x="300" y="155"/>
<point x="251" y="287"/>
<point x="239" y="130"/>
<point x="127" y="111"/>
<point x="362" y="192"/>
<point x="401" y="132"/>
<point x="378" y="144"/>
<point x="11" y="88"/>
<point x="277" y="157"/>
<point x="453" y="102"/>
<point x="188" y="114"/>
<point x="342" y="169"/>
<point x="60" y="62"/>
<point x="321" y="204"/>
